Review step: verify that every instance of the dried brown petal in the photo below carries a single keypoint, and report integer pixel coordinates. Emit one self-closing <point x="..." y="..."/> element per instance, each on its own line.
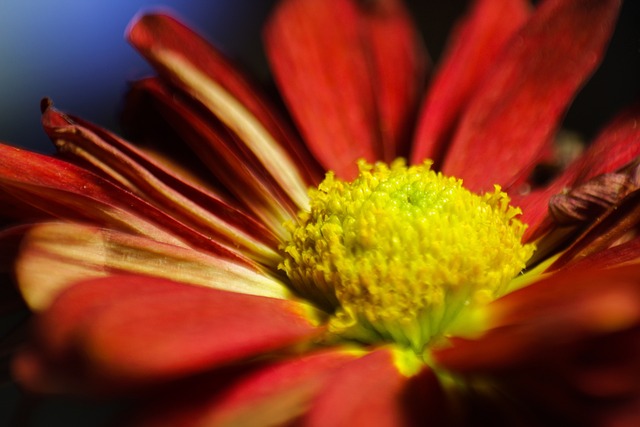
<point x="591" y="199"/>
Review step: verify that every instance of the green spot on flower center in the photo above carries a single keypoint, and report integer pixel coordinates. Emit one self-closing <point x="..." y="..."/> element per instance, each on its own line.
<point x="400" y="252"/>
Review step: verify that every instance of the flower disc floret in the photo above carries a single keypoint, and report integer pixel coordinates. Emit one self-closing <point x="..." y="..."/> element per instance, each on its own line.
<point x="399" y="252"/>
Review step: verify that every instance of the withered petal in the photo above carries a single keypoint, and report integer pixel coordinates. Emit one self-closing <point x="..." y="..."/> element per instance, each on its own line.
<point x="618" y="224"/>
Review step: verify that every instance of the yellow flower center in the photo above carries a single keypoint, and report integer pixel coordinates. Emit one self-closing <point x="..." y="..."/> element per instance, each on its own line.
<point x="397" y="254"/>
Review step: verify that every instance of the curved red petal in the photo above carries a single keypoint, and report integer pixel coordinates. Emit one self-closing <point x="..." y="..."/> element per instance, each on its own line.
<point x="566" y="307"/>
<point x="473" y="48"/>
<point x="566" y="347"/>
<point x="55" y="188"/>
<point x="615" y="146"/>
<point x="511" y="119"/>
<point x="54" y="256"/>
<point x="273" y="394"/>
<point x="370" y="391"/>
<point x="399" y="64"/>
<point x="63" y="190"/>
<point x="195" y="67"/>
<point x="351" y="89"/>
<point x="234" y="166"/>
<point x="139" y="329"/>
<point x="610" y="257"/>
<point x="186" y="202"/>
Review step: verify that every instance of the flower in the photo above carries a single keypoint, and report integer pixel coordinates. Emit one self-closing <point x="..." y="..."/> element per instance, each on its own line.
<point x="386" y="295"/>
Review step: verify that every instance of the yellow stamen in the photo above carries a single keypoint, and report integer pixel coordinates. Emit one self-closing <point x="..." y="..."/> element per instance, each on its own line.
<point x="399" y="252"/>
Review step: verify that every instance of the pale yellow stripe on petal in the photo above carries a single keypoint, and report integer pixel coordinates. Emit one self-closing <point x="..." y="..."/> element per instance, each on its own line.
<point x="158" y="193"/>
<point x="243" y="123"/>
<point x="55" y="255"/>
<point x="94" y="209"/>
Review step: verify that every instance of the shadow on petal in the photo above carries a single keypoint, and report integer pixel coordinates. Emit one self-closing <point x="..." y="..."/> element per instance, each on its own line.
<point x="565" y="348"/>
<point x="121" y="331"/>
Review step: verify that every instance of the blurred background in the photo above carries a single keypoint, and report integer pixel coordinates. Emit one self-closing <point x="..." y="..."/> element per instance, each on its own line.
<point x="74" y="52"/>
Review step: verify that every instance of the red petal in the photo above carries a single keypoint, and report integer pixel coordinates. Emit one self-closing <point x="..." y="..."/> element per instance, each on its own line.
<point x="238" y="170"/>
<point x="565" y="349"/>
<point x="399" y="65"/>
<point x="54" y="256"/>
<point x="137" y="329"/>
<point x="190" y="63"/>
<point x="511" y="119"/>
<point x="13" y="210"/>
<point x="371" y="392"/>
<point x="617" y="145"/>
<point x="62" y="190"/>
<point x="276" y="394"/>
<point x="544" y="318"/>
<point x="473" y="48"/>
<point x="10" y="299"/>
<point x="610" y="257"/>
<point x="185" y="201"/>
<point x="351" y="89"/>
<point x="10" y="241"/>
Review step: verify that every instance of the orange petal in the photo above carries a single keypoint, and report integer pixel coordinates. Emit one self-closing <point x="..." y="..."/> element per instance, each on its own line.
<point x="351" y="89"/>
<point x="122" y="330"/>
<point x="472" y="50"/>
<point x="273" y="395"/>
<point x="195" y="67"/>
<point x="195" y="206"/>
<point x="55" y="255"/>
<point x="511" y="119"/>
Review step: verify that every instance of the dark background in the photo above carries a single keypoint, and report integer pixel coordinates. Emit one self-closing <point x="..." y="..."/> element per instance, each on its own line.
<point x="74" y="52"/>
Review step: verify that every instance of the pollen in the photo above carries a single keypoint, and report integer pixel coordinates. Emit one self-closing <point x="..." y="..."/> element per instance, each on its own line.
<point x="400" y="252"/>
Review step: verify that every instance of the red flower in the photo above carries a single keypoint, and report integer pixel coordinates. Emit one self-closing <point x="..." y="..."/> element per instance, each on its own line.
<point x="216" y="294"/>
